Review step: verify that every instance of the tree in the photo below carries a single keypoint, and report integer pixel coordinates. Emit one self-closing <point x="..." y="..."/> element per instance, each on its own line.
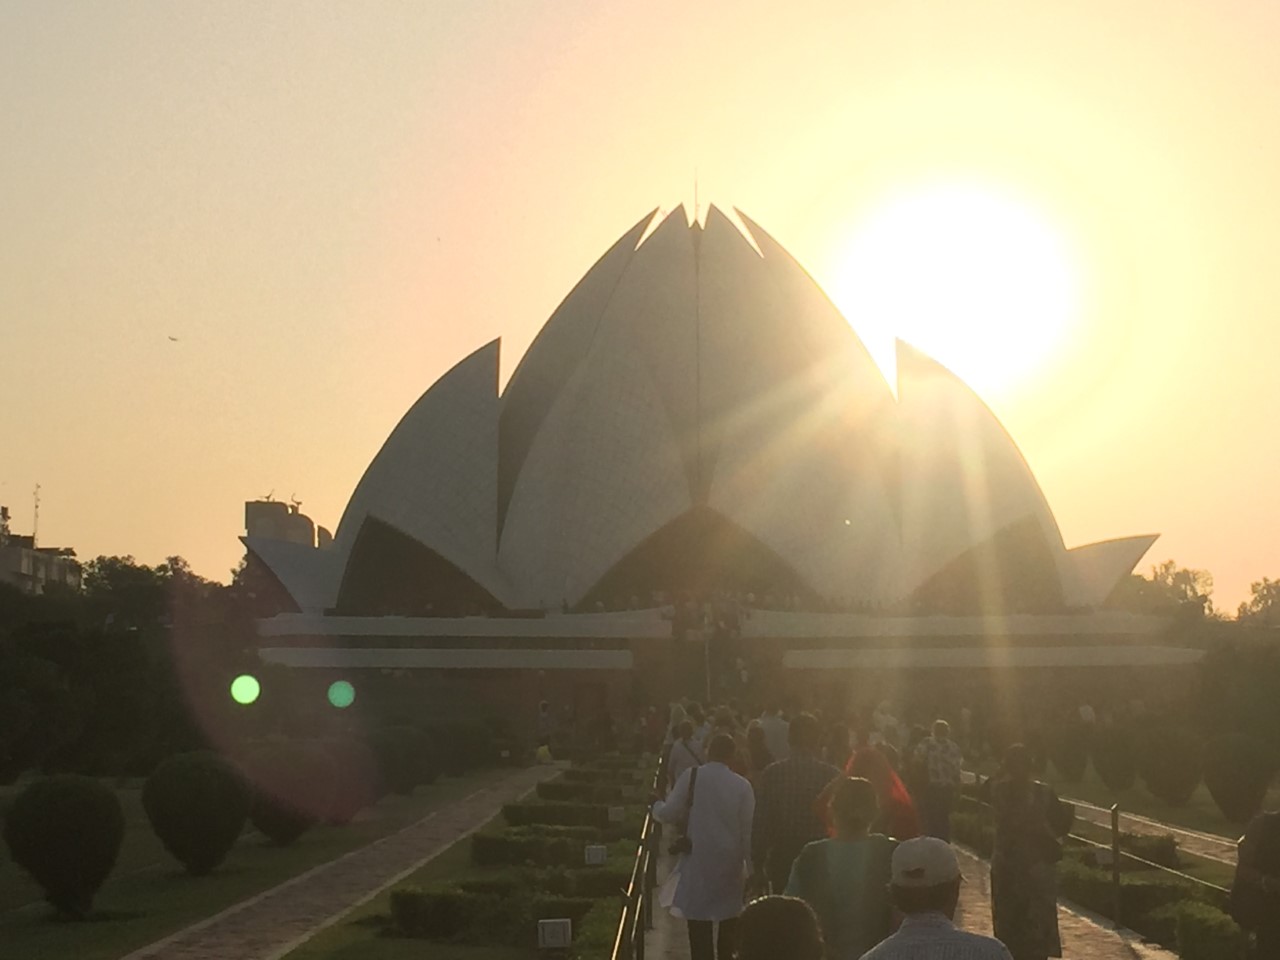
<point x="1262" y="609"/>
<point x="1170" y="591"/>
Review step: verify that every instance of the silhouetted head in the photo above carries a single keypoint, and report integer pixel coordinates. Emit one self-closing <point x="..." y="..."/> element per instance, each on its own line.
<point x="854" y="806"/>
<point x="941" y="729"/>
<point x="684" y="730"/>
<point x="775" y="927"/>
<point x="804" y="734"/>
<point x="722" y="748"/>
<point x="1017" y="762"/>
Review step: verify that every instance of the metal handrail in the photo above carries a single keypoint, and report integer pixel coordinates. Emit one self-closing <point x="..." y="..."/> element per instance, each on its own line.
<point x="637" y="904"/>
<point x="1116" y="852"/>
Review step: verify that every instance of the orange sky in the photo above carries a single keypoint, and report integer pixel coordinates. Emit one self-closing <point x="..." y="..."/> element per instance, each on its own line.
<point x="329" y="204"/>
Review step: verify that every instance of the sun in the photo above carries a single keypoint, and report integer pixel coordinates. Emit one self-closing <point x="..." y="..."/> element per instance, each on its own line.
<point x="972" y="274"/>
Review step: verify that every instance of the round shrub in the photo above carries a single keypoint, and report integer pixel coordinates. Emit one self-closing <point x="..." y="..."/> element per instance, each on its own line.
<point x="1238" y="769"/>
<point x="357" y="782"/>
<point x="293" y="787"/>
<point x="1069" y="751"/>
<point x="1114" y="760"/>
<point x="66" y="832"/>
<point x="197" y="804"/>
<point x="1170" y="763"/>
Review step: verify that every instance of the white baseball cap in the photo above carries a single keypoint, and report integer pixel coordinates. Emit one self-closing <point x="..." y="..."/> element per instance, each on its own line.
<point x="924" y="862"/>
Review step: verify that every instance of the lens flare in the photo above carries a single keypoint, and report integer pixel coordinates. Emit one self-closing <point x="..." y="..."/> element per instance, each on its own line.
<point x="245" y="689"/>
<point x="341" y="694"/>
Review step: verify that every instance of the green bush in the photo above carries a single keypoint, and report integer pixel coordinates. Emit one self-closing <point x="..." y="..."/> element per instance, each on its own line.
<point x="488" y="850"/>
<point x="1169" y="763"/>
<point x="197" y="804"/>
<point x="1238" y="768"/>
<point x="1069" y="751"/>
<point x="974" y="830"/>
<point x="581" y="791"/>
<point x="1161" y="849"/>
<point x="66" y="832"/>
<point x="1206" y="933"/>
<point x="293" y="786"/>
<point x="556" y="813"/>
<point x="1141" y="893"/>
<point x="1114" y="759"/>
<point x="357" y="781"/>
<point x="439" y="914"/>
<point x="479" y="917"/>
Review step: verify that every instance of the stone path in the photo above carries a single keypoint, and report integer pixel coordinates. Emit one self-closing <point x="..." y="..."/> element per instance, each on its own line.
<point x="272" y="924"/>
<point x="1083" y="935"/>
<point x="1207" y="845"/>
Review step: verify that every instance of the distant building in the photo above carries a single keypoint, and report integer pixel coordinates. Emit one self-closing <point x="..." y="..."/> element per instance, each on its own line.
<point x="276" y="520"/>
<point x="34" y="569"/>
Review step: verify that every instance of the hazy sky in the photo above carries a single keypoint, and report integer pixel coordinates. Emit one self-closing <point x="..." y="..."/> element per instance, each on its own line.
<point x="328" y="204"/>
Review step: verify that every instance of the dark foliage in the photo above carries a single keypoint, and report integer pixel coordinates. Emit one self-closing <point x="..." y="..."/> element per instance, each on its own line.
<point x="357" y="780"/>
<point x="1114" y="758"/>
<point x="66" y="832"/>
<point x="1238" y="768"/>
<point x="197" y="804"/>
<point x="1069" y="751"/>
<point x="1170" y="762"/>
<point x="293" y="786"/>
<point x="406" y="758"/>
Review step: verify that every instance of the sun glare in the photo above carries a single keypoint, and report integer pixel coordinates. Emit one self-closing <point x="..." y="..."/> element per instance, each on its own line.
<point x="973" y="276"/>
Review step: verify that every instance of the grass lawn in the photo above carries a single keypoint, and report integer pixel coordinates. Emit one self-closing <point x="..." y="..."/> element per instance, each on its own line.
<point x="149" y="896"/>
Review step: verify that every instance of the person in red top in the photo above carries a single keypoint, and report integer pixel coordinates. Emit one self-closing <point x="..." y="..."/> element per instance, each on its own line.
<point x="898" y="817"/>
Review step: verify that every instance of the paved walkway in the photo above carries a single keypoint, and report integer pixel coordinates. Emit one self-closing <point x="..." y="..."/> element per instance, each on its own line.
<point x="1083" y="936"/>
<point x="274" y="923"/>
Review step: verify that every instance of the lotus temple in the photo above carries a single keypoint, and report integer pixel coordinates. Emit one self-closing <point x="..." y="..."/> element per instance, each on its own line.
<point x="697" y="440"/>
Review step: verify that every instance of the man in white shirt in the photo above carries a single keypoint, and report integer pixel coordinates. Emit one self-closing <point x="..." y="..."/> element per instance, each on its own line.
<point x="775" y="732"/>
<point x="925" y="886"/>
<point x="706" y="888"/>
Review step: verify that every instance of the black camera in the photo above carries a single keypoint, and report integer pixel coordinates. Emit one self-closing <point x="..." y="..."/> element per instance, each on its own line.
<point x="680" y="845"/>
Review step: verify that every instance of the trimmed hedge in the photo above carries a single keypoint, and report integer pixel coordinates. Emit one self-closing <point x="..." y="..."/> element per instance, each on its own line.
<point x="582" y="792"/>
<point x="1206" y="933"/>
<point x="479" y="917"/>
<point x="66" y="832"/>
<point x="1114" y="759"/>
<point x="1161" y="849"/>
<point x="294" y="785"/>
<point x="1170" y="762"/>
<point x="197" y="805"/>
<point x="557" y="814"/>
<point x="1238" y="768"/>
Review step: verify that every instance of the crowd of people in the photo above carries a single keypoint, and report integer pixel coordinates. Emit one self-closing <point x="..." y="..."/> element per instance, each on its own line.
<point x="835" y="841"/>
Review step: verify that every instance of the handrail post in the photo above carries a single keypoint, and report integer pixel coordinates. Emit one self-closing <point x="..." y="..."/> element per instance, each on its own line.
<point x="1115" y="864"/>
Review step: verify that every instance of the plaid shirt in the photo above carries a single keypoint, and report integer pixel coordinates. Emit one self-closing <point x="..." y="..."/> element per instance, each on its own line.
<point x="931" y="936"/>
<point x="941" y="759"/>
<point x="785" y="819"/>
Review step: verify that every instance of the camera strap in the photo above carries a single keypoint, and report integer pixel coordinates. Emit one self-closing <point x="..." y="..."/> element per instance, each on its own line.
<point x="688" y="801"/>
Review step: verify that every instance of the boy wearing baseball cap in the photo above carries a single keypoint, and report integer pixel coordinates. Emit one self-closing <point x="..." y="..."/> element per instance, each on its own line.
<point x="925" y="886"/>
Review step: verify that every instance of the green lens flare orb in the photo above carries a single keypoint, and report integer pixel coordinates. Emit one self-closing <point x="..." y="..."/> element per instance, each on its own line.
<point x="245" y="689"/>
<point x="341" y="694"/>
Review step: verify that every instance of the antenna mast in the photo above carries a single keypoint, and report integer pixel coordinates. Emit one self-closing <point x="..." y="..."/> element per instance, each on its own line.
<point x="35" y="522"/>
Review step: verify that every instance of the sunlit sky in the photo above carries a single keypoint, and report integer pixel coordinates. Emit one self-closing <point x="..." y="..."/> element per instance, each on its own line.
<point x="329" y="204"/>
